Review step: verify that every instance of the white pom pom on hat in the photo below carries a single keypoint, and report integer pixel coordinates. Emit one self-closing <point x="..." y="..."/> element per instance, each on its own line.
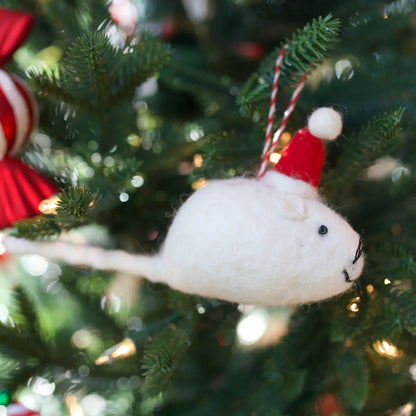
<point x="303" y="157"/>
<point x="325" y="123"/>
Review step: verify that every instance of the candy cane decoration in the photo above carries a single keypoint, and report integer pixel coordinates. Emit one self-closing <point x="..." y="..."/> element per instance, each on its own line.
<point x="269" y="144"/>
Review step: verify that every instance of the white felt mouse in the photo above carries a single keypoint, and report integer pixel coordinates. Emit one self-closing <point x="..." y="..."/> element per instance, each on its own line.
<point x="270" y="241"/>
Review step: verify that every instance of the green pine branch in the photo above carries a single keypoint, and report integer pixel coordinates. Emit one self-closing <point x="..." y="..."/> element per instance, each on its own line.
<point x="161" y="354"/>
<point x="396" y="261"/>
<point x="94" y="75"/>
<point x="80" y="288"/>
<point x="83" y="77"/>
<point x="17" y="342"/>
<point x="376" y="320"/>
<point x="147" y="58"/>
<point x="350" y="378"/>
<point x="307" y="48"/>
<point x="376" y="139"/>
<point x="77" y="206"/>
<point x="76" y="203"/>
<point x="406" y="305"/>
<point x="27" y="309"/>
<point x="49" y="84"/>
<point x="211" y="92"/>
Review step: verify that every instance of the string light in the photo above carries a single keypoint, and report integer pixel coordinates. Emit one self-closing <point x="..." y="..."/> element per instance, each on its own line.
<point x="370" y="289"/>
<point x="198" y="160"/>
<point x="354" y="307"/>
<point x="124" y="349"/>
<point x="285" y="137"/>
<point x="50" y="205"/>
<point x="73" y="406"/>
<point x="386" y="349"/>
<point x="354" y="304"/>
<point x="387" y="281"/>
<point x="275" y="157"/>
<point x="405" y="410"/>
<point x="198" y="184"/>
<point x="251" y="327"/>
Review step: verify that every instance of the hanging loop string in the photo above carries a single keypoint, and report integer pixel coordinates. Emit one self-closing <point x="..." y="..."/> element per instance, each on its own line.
<point x="269" y="144"/>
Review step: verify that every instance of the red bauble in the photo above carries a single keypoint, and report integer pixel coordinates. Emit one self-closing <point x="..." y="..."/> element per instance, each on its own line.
<point x="249" y="50"/>
<point x="167" y="29"/>
<point x="14" y="29"/>
<point x="328" y="405"/>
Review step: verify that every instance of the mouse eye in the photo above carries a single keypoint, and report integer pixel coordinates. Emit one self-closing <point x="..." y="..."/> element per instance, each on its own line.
<point x="323" y="229"/>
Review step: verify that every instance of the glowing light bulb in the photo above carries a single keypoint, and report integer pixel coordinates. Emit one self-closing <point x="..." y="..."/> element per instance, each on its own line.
<point x="124" y="349"/>
<point x="405" y="410"/>
<point x="198" y="184"/>
<point x="387" y="281"/>
<point x="50" y="205"/>
<point x="251" y="328"/>
<point x="285" y="137"/>
<point x="370" y="289"/>
<point x="275" y="157"/>
<point x="198" y="160"/>
<point x="354" y="307"/>
<point x="354" y="304"/>
<point x="385" y="349"/>
<point x="73" y="406"/>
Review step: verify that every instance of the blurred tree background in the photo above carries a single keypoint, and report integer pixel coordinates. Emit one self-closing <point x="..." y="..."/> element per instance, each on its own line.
<point x="133" y="118"/>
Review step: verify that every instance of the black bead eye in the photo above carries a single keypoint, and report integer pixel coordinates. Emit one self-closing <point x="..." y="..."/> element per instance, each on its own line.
<point x="323" y="229"/>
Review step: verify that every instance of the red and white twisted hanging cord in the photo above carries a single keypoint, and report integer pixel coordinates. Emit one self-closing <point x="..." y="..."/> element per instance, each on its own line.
<point x="269" y="144"/>
<point x="272" y="107"/>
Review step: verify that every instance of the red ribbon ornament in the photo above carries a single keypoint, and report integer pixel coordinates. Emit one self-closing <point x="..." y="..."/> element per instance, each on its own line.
<point x="14" y="29"/>
<point x="21" y="188"/>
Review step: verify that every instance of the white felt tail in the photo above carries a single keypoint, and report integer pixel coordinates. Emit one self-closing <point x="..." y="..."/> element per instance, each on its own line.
<point x="84" y="255"/>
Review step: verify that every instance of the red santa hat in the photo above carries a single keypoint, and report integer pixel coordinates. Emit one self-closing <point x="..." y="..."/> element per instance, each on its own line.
<point x="303" y="157"/>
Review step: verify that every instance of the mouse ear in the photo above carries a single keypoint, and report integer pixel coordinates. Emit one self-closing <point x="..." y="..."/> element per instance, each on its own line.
<point x="294" y="207"/>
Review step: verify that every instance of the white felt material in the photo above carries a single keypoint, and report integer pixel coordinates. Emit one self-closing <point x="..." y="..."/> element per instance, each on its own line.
<point x="239" y="240"/>
<point x="82" y="254"/>
<point x="325" y="123"/>
<point x="284" y="183"/>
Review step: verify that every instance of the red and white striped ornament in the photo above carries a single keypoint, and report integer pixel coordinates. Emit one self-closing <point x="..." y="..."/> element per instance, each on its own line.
<point x="21" y="188"/>
<point x="18" y="114"/>
<point x="17" y="409"/>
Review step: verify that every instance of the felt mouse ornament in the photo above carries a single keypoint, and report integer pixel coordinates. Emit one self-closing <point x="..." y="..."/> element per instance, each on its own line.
<point x="21" y="188"/>
<point x="265" y="241"/>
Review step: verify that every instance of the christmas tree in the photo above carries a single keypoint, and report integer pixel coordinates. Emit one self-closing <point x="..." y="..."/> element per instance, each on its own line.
<point x="140" y="104"/>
